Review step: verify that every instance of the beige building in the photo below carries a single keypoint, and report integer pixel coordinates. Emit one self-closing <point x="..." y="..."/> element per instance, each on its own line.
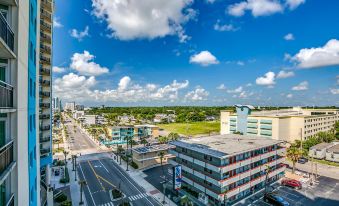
<point x="148" y="156"/>
<point x="332" y="153"/>
<point x="286" y="124"/>
<point x="319" y="151"/>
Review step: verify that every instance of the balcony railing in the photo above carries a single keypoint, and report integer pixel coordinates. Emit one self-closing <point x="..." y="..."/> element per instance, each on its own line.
<point x="45" y="139"/>
<point x="45" y="26"/>
<point x="45" y="94"/>
<point x="45" y="71"/>
<point x="6" y="95"/>
<point x="45" y="15"/>
<point x="45" y="49"/>
<point x="6" y="156"/>
<point x="6" y="33"/>
<point x="45" y="4"/>
<point x="9" y="202"/>
<point x="44" y="116"/>
<point x="45" y="127"/>
<point x="45" y="60"/>
<point x="44" y="152"/>
<point x="45" y="38"/>
<point x="45" y="105"/>
<point x="45" y="82"/>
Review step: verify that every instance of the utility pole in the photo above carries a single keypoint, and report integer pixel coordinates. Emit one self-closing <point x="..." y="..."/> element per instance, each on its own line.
<point x="82" y="183"/>
<point x="301" y="139"/>
<point x="75" y="166"/>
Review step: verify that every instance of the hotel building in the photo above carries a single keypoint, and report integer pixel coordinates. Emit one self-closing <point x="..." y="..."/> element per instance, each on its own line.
<point x="45" y="97"/>
<point x="227" y="168"/>
<point x="19" y="143"/>
<point x="285" y="124"/>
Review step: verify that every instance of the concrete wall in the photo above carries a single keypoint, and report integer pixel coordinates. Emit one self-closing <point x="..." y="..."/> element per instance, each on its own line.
<point x="334" y="157"/>
<point x="225" y="122"/>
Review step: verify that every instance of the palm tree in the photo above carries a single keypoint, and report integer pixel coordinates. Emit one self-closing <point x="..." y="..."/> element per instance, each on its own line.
<point x="293" y="154"/>
<point x="161" y="156"/>
<point x="65" y="155"/>
<point x="144" y="141"/>
<point x="267" y="171"/>
<point x="119" y="151"/>
<point x="173" y="136"/>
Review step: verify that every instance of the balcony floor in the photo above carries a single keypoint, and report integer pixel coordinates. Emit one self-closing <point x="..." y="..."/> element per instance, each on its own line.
<point x="5" y="51"/>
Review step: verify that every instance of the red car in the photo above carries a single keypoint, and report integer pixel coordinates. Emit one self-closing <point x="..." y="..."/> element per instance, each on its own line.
<point x="292" y="183"/>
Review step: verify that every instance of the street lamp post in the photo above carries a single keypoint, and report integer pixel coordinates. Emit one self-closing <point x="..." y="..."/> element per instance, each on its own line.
<point x="75" y="166"/>
<point x="82" y="183"/>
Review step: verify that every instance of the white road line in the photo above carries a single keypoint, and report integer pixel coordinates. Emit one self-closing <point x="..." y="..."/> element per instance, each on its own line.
<point x="90" y="193"/>
<point x="288" y="193"/>
<point x="130" y="198"/>
<point x="131" y="183"/>
<point x="103" y="166"/>
<point x="112" y="204"/>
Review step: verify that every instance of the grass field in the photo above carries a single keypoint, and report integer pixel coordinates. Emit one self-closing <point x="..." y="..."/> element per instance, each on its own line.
<point x="193" y="128"/>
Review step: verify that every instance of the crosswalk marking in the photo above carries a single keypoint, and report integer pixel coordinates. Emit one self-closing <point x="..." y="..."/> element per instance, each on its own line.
<point x="107" y="204"/>
<point x="136" y="197"/>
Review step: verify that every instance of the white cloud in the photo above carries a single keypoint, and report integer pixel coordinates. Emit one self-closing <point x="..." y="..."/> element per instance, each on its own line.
<point x="244" y="94"/>
<point x="236" y="90"/>
<point x="79" y="35"/>
<point x="57" y="23"/>
<point x="248" y="84"/>
<point x="327" y="55"/>
<point x="73" y="86"/>
<point x="267" y="80"/>
<point x="84" y="64"/>
<point x="257" y="8"/>
<point x="334" y="91"/>
<point x="135" y="19"/>
<point x="289" y="37"/>
<point x="210" y="1"/>
<point x="58" y="69"/>
<point x="293" y="4"/>
<point x="221" y="87"/>
<point x="224" y="27"/>
<point x="197" y="95"/>
<point x="289" y="96"/>
<point x="301" y="86"/>
<point x="204" y="58"/>
<point x="240" y="63"/>
<point x="284" y="74"/>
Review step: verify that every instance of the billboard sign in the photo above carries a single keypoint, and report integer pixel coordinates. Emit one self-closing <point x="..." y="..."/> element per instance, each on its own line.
<point x="177" y="177"/>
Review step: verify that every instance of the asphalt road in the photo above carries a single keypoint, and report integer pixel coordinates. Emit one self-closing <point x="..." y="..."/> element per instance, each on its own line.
<point x="104" y="174"/>
<point x="78" y="140"/>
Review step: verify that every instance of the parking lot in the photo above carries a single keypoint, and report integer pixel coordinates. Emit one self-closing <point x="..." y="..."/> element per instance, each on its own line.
<point x="323" y="193"/>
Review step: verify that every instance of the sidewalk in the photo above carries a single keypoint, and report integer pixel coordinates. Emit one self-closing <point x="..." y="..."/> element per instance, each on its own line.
<point x="322" y="169"/>
<point x="138" y="176"/>
<point x="74" y="186"/>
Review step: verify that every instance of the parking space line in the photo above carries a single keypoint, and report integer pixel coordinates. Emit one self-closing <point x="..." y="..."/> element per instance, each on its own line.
<point x="90" y="193"/>
<point x="289" y="193"/>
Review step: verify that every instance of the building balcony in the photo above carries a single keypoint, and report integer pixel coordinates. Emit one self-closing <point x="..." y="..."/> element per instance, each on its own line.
<point x="44" y="71"/>
<point x="6" y="39"/>
<point x="45" y="15"/>
<point x="46" y="4"/>
<point x="6" y="158"/>
<point x="44" y="26"/>
<point x="45" y="94"/>
<point x="45" y="105"/>
<point x="45" y="49"/>
<point x="45" y="38"/>
<point x="44" y="116"/>
<point x="44" y="151"/>
<point x="6" y="95"/>
<point x="263" y="121"/>
<point x="266" y="127"/>
<point x="45" y="82"/>
<point x="7" y="201"/>
<point x="9" y="2"/>
<point x="45" y="138"/>
<point x="45" y="60"/>
<point x="45" y="127"/>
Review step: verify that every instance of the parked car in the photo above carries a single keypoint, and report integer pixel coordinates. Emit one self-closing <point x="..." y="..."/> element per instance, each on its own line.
<point x="291" y="183"/>
<point x="302" y="160"/>
<point x="275" y="199"/>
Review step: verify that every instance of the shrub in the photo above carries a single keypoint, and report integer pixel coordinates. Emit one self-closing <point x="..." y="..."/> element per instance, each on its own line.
<point x="116" y="193"/>
<point x="66" y="203"/>
<point x="66" y="178"/>
<point x="134" y="165"/>
<point x="61" y="198"/>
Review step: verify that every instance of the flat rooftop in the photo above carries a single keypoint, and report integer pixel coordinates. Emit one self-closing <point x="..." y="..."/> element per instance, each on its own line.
<point x="321" y="146"/>
<point x="153" y="148"/>
<point x="224" y="145"/>
<point x="146" y="125"/>
<point x="334" y="149"/>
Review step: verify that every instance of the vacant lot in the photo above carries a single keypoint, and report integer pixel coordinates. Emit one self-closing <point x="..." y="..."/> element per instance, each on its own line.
<point x="193" y="128"/>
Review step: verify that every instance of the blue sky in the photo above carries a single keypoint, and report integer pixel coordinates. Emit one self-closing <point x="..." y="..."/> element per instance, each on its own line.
<point x="185" y="52"/>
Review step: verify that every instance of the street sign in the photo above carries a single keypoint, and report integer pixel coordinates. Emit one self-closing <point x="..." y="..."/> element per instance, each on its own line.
<point x="177" y="177"/>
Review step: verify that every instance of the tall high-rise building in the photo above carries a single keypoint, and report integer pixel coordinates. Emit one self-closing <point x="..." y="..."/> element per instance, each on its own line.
<point x="19" y="149"/>
<point x="45" y="97"/>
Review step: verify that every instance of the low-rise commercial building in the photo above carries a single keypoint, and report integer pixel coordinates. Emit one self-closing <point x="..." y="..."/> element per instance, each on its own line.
<point x="78" y="114"/>
<point x="319" y="151"/>
<point x="227" y="168"/>
<point x="149" y="156"/>
<point x="69" y="106"/>
<point x="332" y="153"/>
<point x="285" y="124"/>
<point x="146" y="131"/>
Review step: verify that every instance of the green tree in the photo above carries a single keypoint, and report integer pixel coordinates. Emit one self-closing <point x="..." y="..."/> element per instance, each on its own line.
<point x="173" y="136"/>
<point x="293" y="154"/>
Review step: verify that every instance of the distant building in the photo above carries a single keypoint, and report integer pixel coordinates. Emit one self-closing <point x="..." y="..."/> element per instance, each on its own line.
<point x="126" y="119"/>
<point x="78" y="114"/>
<point x="319" y="151"/>
<point x="159" y="118"/>
<point x="285" y="124"/>
<point x="79" y="107"/>
<point x="149" y="156"/>
<point x="146" y="131"/>
<point x="69" y="106"/>
<point x="119" y="134"/>
<point x="228" y="167"/>
<point x="332" y="153"/>
<point x="210" y="118"/>
<point x="90" y="119"/>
